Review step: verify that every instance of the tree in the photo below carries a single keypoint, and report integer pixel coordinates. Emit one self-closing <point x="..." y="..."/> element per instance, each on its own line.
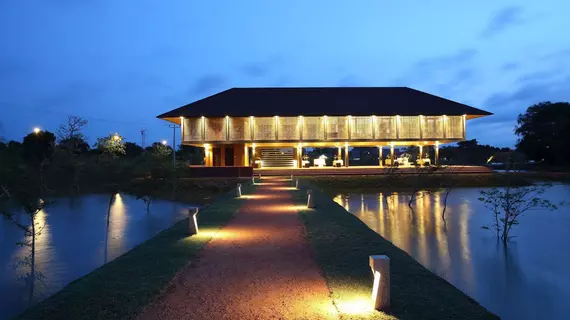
<point x="190" y="154"/>
<point x="38" y="147"/>
<point x="112" y="145"/>
<point x="508" y="203"/>
<point x="133" y="150"/>
<point x="543" y="132"/>
<point x="161" y="150"/>
<point x="70" y="136"/>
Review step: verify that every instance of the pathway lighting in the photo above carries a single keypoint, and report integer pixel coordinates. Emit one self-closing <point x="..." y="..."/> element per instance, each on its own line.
<point x="310" y="200"/>
<point x="238" y="190"/>
<point x="193" y="226"/>
<point x="296" y="184"/>
<point x="380" y="265"/>
<point x="253" y="180"/>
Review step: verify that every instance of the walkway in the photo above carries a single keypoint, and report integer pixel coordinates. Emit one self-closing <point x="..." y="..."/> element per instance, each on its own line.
<point x="259" y="266"/>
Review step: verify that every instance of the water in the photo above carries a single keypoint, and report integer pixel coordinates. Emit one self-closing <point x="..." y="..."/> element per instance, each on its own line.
<point x="528" y="280"/>
<point x="75" y="241"/>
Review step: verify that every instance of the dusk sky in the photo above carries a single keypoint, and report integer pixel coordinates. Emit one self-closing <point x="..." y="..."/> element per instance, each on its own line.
<point x="120" y="63"/>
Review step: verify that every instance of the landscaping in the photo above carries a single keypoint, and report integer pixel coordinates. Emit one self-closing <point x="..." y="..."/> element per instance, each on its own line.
<point x="342" y="245"/>
<point x="121" y="288"/>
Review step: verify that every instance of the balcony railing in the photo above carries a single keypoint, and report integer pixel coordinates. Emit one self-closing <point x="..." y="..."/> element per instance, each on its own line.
<point x="344" y="128"/>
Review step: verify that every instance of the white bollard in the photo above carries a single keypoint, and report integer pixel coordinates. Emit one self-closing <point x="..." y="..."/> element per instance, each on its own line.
<point x="296" y="184"/>
<point x="380" y="265"/>
<point x="291" y="177"/>
<point x="238" y="190"/>
<point x="193" y="220"/>
<point x="253" y="180"/>
<point x="310" y="200"/>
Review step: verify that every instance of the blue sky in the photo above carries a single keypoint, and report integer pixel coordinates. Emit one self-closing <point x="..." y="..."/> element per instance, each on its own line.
<point x="121" y="63"/>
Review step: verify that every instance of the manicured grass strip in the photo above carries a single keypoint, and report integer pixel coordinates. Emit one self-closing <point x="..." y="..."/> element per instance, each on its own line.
<point x="123" y="287"/>
<point x="342" y="245"/>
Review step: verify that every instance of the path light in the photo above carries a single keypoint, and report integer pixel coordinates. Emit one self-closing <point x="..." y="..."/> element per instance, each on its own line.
<point x="380" y="265"/>
<point x="296" y="184"/>
<point x="310" y="200"/>
<point x="193" y="221"/>
<point x="291" y="177"/>
<point x="252" y="179"/>
<point x="238" y="190"/>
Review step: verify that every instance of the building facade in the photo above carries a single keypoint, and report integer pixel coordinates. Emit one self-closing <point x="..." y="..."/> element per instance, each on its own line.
<point x="233" y="126"/>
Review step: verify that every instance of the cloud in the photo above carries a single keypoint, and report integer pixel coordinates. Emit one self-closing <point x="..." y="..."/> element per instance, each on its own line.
<point x="510" y="66"/>
<point x="208" y="83"/>
<point x="505" y="18"/>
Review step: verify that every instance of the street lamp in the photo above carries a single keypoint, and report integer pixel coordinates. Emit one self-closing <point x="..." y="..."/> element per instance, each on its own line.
<point x="116" y="137"/>
<point x="164" y="142"/>
<point x="37" y="130"/>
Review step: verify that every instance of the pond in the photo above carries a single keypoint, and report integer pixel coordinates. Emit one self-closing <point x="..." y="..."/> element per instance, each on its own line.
<point x="528" y="280"/>
<point x="75" y="241"/>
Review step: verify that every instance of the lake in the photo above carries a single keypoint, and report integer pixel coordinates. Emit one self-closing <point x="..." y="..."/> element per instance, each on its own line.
<point x="528" y="280"/>
<point x="75" y="241"/>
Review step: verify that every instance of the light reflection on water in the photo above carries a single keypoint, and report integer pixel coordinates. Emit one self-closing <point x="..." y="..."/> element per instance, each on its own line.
<point x="529" y="280"/>
<point x="74" y="241"/>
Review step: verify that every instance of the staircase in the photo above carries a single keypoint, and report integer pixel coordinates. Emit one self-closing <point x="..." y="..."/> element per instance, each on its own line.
<point x="278" y="158"/>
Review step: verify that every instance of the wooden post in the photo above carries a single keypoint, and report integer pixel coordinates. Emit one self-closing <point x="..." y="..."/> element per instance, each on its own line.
<point x="436" y="158"/>
<point x="392" y="155"/>
<point x="346" y="155"/>
<point x="380" y="156"/>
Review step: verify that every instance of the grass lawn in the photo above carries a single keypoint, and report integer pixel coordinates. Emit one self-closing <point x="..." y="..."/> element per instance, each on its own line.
<point x="342" y="245"/>
<point x="122" y="287"/>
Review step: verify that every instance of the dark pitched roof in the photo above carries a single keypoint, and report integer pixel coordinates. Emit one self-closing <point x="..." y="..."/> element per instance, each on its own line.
<point x="339" y="101"/>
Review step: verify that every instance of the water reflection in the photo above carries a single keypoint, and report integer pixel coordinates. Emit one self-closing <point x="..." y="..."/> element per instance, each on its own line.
<point x="75" y="239"/>
<point x="529" y="280"/>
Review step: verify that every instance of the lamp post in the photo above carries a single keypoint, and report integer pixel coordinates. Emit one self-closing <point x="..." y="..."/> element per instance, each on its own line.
<point x="37" y="130"/>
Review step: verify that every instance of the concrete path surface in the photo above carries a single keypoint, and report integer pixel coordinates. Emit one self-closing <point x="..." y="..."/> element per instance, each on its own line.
<point x="259" y="266"/>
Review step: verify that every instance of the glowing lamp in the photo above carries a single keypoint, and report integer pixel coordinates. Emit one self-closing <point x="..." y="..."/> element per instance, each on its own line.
<point x="310" y="200"/>
<point x="380" y="265"/>
<point x="193" y="221"/>
<point x="164" y="142"/>
<point x="238" y="190"/>
<point x="37" y="130"/>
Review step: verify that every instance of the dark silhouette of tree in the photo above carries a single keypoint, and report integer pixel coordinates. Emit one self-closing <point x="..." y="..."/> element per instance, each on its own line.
<point x="133" y="150"/>
<point x="544" y="131"/>
<point x="38" y="147"/>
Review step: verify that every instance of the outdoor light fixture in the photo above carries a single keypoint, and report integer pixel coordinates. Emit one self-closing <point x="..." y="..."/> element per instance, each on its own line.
<point x="164" y="142"/>
<point x="193" y="221"/>
<point x="238" y="190"/>
<point x="380" y="265"/>
<point x="116" y="137"/>
<point x="310" y="200"/>
<point x="37" y="130"/>
<point x="296" y="184"/>
<point x="253" y="180"/>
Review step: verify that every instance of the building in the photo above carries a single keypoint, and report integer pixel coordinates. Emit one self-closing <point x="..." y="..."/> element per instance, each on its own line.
<point x="271" y="126"/>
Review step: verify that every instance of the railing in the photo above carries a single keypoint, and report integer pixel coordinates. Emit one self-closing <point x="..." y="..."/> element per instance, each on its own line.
<point x="325" y="128"/>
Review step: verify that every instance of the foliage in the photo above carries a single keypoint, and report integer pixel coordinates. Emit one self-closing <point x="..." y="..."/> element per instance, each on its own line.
<point x="38" y="147"/>
<point x="468" y="152"/>
<point x="543" y="132"/>
<point x="112" y="145"/>
<point x="70" y="136"/>
<point x="190" y="154"/>
<point x="509" y="203"/>
<point x="161" y="150"/>
<point x="74" y="146"/>
<point x="133" y="150"/>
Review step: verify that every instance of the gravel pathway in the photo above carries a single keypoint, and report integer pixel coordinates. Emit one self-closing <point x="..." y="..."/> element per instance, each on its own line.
<point x="259" y="266"/>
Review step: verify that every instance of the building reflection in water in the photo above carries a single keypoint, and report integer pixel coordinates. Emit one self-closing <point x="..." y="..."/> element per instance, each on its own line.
<point x="421" y="232"/>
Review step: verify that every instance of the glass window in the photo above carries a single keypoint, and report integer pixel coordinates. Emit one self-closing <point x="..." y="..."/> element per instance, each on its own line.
<point x="192" y="129"/>
<point x="240" y="129"/>
<point x="432" y="127"/>
<point x="386" y="128"/>
<point x="409" y="127"/>
<point x="264" y="128"/>
<point x="288" y="128"/>
<point x="313" y="128"/>
<point x="215" y="129"/>
<point x="361" y="128"/>
<point x="454" y="127"/>
<point x="337" y="128"/>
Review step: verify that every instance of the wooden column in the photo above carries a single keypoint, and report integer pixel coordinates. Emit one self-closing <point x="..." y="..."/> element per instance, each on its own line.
<point x="392" y="155"/>
<point x="222" y="156"/>
<point x="436" y="158"/>
<point x="380" y="156"/>
<point x="299" y="157"/>
<point x="420" y="155"/>
<point x="346" y="155"/>
<point x="245" y="155"/>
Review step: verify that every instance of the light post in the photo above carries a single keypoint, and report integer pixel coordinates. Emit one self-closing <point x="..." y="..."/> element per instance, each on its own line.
<point x="37" y="130"/>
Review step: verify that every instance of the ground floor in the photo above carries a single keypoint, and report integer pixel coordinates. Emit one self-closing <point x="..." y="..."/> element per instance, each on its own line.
<point x="302" y="155"/>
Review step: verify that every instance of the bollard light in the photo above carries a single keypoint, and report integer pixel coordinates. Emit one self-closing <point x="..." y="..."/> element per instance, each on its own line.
<point x="238" y="190"/>
<point x="252" y="179"/>
<point x="291" y="178"/>
<point x="380" y="265"/>
<point x="310" y="200"/>
<point x="193" y="220"/>
<point x="296" y="184"/>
